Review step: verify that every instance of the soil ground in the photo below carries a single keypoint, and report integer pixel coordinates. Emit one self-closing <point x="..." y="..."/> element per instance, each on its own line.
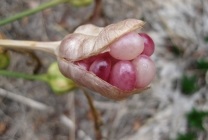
<point x="157" y="114"/>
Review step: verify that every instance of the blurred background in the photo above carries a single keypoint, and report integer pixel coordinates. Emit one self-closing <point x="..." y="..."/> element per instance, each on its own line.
<point x="175" y="108"/>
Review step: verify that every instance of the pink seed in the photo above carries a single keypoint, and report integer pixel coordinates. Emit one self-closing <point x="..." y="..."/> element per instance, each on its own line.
<point x="101" y="67"/>
<point x="123" y="76"/>
<point x="113" y="60"/>
<point x="149" y="45"/>
<point x="145" y="70"/>
<point x="83" y="64"/>
<point x="127" y="47"/>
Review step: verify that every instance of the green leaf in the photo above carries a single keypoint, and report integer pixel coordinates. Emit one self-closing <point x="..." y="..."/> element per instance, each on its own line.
<point x="186" y="136"/>
<point x="195" y="119"/>
<point x="202" y="64"/>
<point x="189" y="84"/>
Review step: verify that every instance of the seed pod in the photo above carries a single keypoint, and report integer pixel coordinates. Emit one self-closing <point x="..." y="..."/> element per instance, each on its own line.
<point x="58" y="83"/>
<point x="87" y="41"/>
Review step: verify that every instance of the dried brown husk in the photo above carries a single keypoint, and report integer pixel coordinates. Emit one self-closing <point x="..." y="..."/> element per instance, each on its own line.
<point x="89" y="40"/>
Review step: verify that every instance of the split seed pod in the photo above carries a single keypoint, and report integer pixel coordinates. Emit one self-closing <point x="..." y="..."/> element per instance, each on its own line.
<point x="86" y="41"/>
<point x="90" y="40"/>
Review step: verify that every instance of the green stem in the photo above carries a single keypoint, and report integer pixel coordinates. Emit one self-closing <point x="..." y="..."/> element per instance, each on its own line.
<point x="41" y="77"/>
<point x="31" y="11"/>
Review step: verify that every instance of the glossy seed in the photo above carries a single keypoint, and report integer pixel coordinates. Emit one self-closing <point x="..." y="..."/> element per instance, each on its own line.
<point x="123" y="76"/>
<point x="127" y="47"/>
<point x="149" y="45"/>
<point x="101" y="67"/>
<point x="145" y="70"/>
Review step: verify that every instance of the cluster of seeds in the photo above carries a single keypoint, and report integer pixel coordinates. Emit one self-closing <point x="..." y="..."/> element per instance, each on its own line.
<point x="127" y="65"/>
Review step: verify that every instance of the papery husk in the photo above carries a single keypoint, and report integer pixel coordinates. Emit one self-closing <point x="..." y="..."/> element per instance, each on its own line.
<point x="89" y="40"/>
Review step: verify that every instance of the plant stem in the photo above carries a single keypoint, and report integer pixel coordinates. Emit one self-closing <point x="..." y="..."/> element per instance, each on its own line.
<point x="50" y="47"/>
<point x="18" y="16"/>
<point x="41" y="77"/>
<point x="95" y="114"/>
<point x="97" y="11"/>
